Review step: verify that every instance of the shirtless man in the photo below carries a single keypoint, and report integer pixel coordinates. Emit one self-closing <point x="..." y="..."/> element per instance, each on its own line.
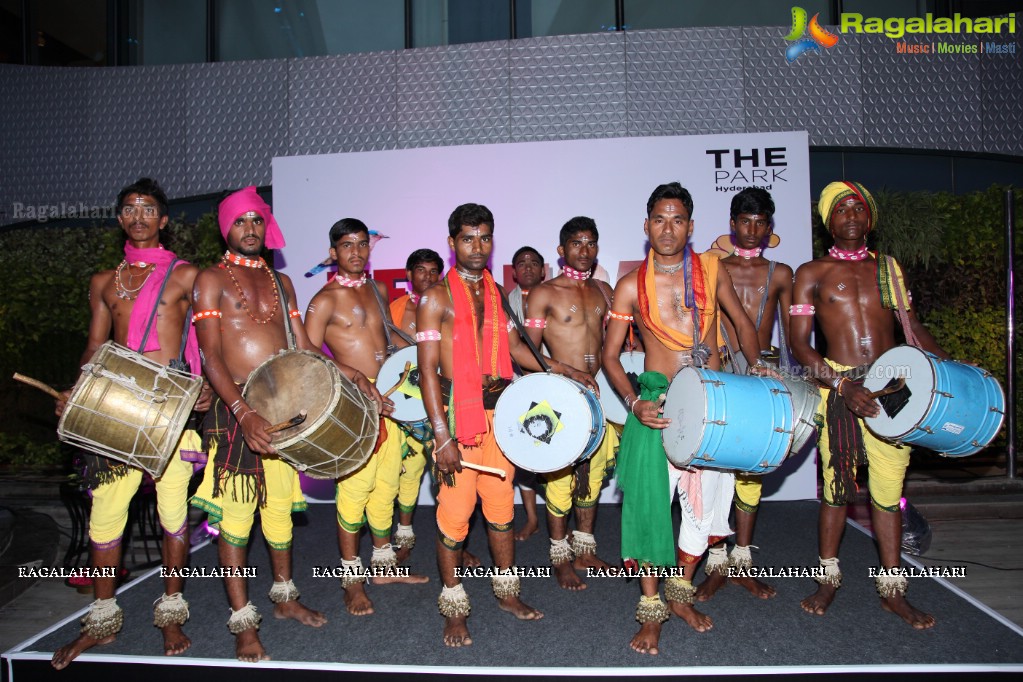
<point x="761" y="286"/>
<point x="674" y="296"/>
<point x="242" y="317"/>
<point x="567" y="314"/>
<point x="423" y="269"/>
<point x="349" y="315"/>
<point x="530" y="270"/>
<point x="462" y="318"/>
<point x="122" y="301"/>
<point x="857" y="318"/>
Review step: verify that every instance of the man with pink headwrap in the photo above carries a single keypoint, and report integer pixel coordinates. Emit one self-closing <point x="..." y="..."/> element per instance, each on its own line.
<point x="242" y="315"/>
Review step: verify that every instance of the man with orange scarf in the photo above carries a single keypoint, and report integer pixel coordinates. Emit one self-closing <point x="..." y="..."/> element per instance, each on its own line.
<point x="674" y="296"/>
<point x="462" y="318"/>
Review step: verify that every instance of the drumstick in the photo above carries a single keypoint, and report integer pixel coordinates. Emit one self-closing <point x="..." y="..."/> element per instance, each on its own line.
<point x="294" y="421"/>
<point x="401" y="380"/>
<point x="38" y="384"/>
<point x="489" y="470"/>
<point x="891" y="389"/>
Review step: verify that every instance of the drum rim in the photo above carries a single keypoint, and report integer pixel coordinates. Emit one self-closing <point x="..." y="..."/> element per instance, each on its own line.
<point x="930" y="359"/>
<point x="582" y="389"/>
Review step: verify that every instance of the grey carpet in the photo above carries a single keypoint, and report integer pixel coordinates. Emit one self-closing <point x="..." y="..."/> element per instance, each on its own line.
<point x="589" y="628"/>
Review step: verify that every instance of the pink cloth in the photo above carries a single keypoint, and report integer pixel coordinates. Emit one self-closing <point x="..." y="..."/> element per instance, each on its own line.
<point x="246" y="200"/>
<point x="147" y="299"/>
<point x="691" y="483"/>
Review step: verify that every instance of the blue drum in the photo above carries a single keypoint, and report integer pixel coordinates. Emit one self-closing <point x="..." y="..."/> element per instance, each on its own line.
<point x="946" y="406"/>
<point x="546" y="422"/>
<point x="727" y="421"/>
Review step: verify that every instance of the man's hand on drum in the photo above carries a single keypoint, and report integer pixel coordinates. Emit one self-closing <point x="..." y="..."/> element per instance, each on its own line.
<point x="859" y="400"/>
<point x="385" y="406"/>
<point x="582" y="377"/>
<point x="254" y="429"/>
<point x="62" y="402"/>
<point x="649" y="412"/>
<point x="205" y="398"/>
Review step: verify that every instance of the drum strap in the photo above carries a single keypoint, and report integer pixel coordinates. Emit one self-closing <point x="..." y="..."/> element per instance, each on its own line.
<point x="156" y="306"/>
<point x="901" y="312"/>
<point x="287" y="309"/>
<point x="739" y="367"/>
<point x="522" y="333"/>
<point x="385" y="315"/>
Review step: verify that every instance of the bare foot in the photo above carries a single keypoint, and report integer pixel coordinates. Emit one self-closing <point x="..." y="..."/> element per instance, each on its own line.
<point x="517" y="608"/>
<point x="410" y="579"/>
<point x="174" y="640"/>
<point x="403" y="553"/>
<point x="565" y="573"/>
<point x="645" y="641"/>
<point x="700" y="622"/>
<point x="456" y="633"/>
<point x="584" y="561"/>
<point x="818" y="602"/>
<point x="470" y="560"/>
<point x="66" y="654"/>
<point x="296" y="611"/>
<point x="904" y="610"/>
<point x="248" y="648"/>
<point x="532" y="525"/>
<point x="356" y="601"/>
<point x="756" y="588"/>
<point x="709" y="587"/>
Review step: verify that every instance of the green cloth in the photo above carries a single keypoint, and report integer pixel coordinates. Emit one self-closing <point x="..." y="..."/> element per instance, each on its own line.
<point x="642" y="476"/>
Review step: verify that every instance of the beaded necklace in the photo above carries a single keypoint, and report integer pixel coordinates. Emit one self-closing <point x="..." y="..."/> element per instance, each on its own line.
<point x="228" y="260"/>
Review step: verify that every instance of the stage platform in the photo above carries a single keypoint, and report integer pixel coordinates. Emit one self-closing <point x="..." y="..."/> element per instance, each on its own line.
<point x="583" y="633"/>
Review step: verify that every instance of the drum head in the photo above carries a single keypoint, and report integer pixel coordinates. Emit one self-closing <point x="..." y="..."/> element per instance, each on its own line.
<point x="686" y="407"/>
<point x="615" y="410"/>
<point x="543" y="422"/>
<point x="288" y="383"/>
<point x="408" y="401"/>
<point x="903" y="410"/>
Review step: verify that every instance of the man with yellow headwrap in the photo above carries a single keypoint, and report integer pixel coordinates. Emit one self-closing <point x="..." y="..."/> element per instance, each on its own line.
<point x="854" y="295"/>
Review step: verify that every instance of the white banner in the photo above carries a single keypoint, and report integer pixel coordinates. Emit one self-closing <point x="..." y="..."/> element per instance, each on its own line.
<point x="533" y="188"/>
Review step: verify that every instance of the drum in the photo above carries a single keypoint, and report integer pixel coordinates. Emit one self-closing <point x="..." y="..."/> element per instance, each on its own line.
<point x="806" y="398"/>
<point x="727" y="421"/>
<point x="341" y="427"/>
<point x="409" y="409"/>
<point x="615" y="410"/>
<point x="546" y="422"/>
<point x="129" y="408"/>
<point x="946" y="406"/>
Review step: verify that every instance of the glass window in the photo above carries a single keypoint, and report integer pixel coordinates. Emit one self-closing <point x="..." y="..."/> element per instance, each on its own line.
<point x="12" y="32"/>
<point x="562" y="17"/>
<point x="359" y="26"/>
<point x="888" y="8"/>
<point x="165" y="32"/>
<point x="70" y="32"/>
<point x="450" y="22"/>
<point x="268" y="29"/>
<point x="902" y="172"/>
<point x="972" y="175"/>
<point x="640" y="14"/>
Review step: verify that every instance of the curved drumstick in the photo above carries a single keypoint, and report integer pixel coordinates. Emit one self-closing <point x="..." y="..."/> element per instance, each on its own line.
<point x="404" y="376"/>
<point x="46" y="388"/>
<point x="489" y="470"/>
<point x="294" y="421"/>
<point x="891" y="389"/>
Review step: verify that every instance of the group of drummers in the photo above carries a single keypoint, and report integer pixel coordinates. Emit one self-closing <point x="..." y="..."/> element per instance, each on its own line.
<point x="462" y="403"/>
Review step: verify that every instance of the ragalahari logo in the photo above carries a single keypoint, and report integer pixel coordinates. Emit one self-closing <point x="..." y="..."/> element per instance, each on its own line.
<point x="801" y="42"/>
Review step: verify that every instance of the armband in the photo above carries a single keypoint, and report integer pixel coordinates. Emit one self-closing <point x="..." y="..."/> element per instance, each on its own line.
<point x="428" y="335"/>
<point x="801" y="309"/>
<point x="618" y="316"/>
<point x="206" y="314"/>
<point x="294" y="313"/>
<point x="535" y="323"/>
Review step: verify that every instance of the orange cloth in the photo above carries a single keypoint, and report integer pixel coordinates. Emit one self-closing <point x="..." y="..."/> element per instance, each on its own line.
<point x="704" y="285"/>
<point x="480" y="349"/>
<point x="455" y="504"/>
<point x="397" y="307"/>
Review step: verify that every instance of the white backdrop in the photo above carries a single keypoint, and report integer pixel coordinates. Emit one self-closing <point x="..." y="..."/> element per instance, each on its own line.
<point x="533" y="188"/>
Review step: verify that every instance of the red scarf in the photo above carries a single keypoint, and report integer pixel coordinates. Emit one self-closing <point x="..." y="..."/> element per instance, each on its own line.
<point x="702" y="281"/>
<point x="475" y="354"/>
